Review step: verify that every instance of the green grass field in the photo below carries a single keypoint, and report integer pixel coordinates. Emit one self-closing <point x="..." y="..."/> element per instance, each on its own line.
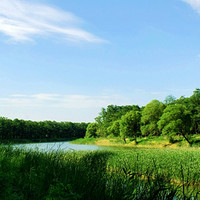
<point x="117" y="173"/>
<point x="180" y="165"/>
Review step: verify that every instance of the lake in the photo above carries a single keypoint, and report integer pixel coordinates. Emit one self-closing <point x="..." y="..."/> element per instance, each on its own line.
<point x="57" y="146"/>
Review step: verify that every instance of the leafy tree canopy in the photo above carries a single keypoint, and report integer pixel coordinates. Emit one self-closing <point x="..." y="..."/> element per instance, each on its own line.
<point x="114" y="129"/>
<point x="91" y="130"/>
<point x="130" y="125"/>
<point x="150" y="116"/>
<point x="176" y="120"/>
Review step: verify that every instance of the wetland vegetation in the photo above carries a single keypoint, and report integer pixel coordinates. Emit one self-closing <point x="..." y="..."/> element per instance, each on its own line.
<point x="135" y="169"/>
<point x="119" y="173"/>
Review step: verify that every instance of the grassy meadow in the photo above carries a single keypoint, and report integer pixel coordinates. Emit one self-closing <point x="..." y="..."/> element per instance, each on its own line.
<point x="145" y="142"/>
<point x="116" y="173"/>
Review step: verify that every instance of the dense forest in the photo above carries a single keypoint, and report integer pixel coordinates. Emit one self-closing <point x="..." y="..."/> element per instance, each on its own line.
<point x="172" y="117"/>
<point x="35" y="131"/>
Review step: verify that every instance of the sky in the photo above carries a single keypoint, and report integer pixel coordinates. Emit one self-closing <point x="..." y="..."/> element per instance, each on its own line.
<point x="65" y="60"/>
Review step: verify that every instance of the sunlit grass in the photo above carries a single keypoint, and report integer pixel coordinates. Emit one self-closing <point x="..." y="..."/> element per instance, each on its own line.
<point x="151" y="142"/>
<point x="118" y="173"/>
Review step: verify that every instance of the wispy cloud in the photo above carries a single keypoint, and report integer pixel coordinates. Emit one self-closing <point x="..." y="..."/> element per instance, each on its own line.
<point x="62" y="101"/>
<point x="194" y="3"/>
<point x="22" y="20"/>
<point x="44" y="106"/>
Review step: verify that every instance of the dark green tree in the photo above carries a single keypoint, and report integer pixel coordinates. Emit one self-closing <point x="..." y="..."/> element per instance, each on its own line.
<point x="22" y="129"/>
<point x="108" y="115"/>
<point x="150" y="116"/>
<point x="130" y="125"/>
<point x="176" y="120"/>
<point x="91" y="130"/>
<point x="194" y="107"/>
<point x="114" y="129"/>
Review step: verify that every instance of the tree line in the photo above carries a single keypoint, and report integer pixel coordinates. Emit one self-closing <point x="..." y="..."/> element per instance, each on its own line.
<point x="171" y="117"/>
<point x="31" y="130"/>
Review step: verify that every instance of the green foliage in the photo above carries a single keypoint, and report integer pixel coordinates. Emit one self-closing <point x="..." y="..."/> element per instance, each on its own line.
<point x="91" y="130"/>
<point x="108" y="123"/>
<point x="108" y="119"/>
<point x="130" y="125"/>
<point x="16" y="129"/>
<point x="31" y="175"/>
<point x="194" y="107"/>
<point x="103" y="175"/>
<point x="111" y="114"/>
<point x="171" y="168"/>
<point x="176" y="119"/>
<point x="170" y="99"/>
<point x="150" y="116"/>
<point x="84" y="140"/>
<point x="114" y="129"/>
<point x="58" y="191"/>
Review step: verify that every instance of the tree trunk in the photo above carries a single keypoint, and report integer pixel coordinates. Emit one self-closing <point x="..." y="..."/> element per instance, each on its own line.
<point x="186" y="139"/>
<point x="136" y="140"/>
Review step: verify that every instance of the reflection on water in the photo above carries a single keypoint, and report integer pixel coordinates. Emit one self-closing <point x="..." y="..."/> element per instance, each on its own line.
<point x="56" y="146"/>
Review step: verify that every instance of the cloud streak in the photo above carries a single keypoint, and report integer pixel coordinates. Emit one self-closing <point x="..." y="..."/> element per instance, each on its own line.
<point x="63" y="101"/>
<point x="44" y="106"/>
<point x="21" y="21"/>
<point x="195" y="4"/>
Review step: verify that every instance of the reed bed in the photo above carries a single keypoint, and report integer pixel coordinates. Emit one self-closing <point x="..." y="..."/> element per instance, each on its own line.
<point x="100" y="175"/>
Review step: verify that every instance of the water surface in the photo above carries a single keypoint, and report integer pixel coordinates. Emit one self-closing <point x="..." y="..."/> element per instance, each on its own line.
<point x="57" y="146"/>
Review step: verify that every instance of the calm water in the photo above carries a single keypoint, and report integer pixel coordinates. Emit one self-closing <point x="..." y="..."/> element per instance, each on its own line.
<point x="56" y="146"/>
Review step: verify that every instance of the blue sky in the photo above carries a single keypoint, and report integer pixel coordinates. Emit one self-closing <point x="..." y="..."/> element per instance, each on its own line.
<point x="65" y="60"/>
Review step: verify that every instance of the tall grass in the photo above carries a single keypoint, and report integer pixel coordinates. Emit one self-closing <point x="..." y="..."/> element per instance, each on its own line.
<point x="172" y="162"/>
<point x="34" y="175"/>
<point x="56" y="175"/>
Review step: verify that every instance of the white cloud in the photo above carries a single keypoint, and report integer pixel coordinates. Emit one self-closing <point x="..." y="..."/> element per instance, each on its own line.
<point x="21" y="20"/>
<point x="62" y="101"/>
<point x="44" y="96"/>
<point x="57" y="107"/>
<point x="195" y="4"/>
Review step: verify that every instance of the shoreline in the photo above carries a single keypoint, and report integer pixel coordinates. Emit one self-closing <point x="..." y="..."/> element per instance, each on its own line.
<point x="114" y="142"/>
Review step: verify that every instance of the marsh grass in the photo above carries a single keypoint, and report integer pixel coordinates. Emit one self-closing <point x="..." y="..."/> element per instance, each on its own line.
<point x="37" y="175"/>
<point x="99" y="175"/>
<point x="85" y="141"/>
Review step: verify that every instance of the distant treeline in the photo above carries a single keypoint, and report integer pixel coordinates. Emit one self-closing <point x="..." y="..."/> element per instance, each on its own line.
<point x="172" y="117"/>
<point x="30" y="130"/>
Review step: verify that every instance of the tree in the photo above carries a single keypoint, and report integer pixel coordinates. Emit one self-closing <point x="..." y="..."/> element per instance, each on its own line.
<point x="114" y="129"/>
<point x="130" y="125"/>
<point x="91" y="130"/>
<point x="176" y="120"/>
<point x="194" y="106"/>
<point x="109" y="115"/>
<point x="21" y="129"/>
<point x="150" y="116"/>
<point x="170" y="99"/>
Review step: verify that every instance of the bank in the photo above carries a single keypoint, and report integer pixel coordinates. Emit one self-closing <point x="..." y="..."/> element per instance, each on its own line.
<point x="145" y="142"/>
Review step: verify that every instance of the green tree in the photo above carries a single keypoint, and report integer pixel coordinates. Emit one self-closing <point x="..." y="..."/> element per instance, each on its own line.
<point x="170" y="99"/>
<point x="130" y="125"/>
<point x="21" y="129"/>
<point x="109" y="115"/>
<point x="176" y="120"/>
<point x="91" y="130"/>
<point x="150" y="116"/>
<point x="114" y="129"/>
<point x="194" y="106"/>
